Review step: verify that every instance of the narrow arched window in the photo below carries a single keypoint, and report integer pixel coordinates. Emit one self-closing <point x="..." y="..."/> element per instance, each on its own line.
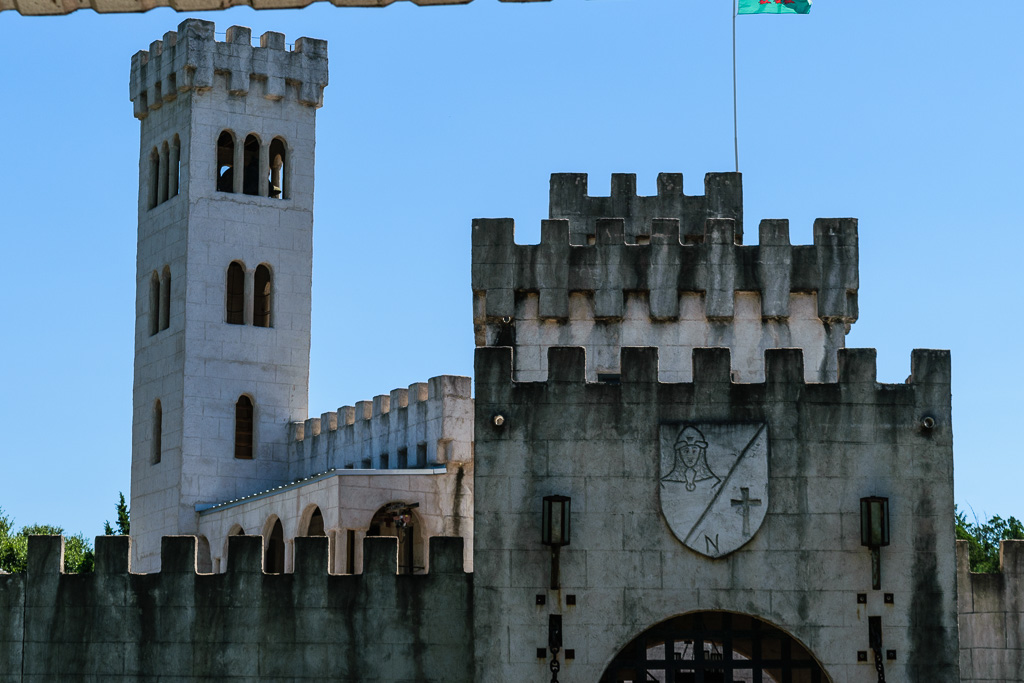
<point x="236" y="294"/>
<point x="174" y="168"/>
<point x="165" y="160"/>
<point x="226" y="162"/>
<point x="243" y="428"/>
<point x="274" y="560"/>
<point x="154" y="177"/>
<point x="154" y="304"/>
<point x="158" y="431"/>
<point x="261" y="298"/>
<point x="316" y="523"/>
<point x="251" y="165"/>
<point x="165" y="299"/>
<point x="277" y="169"/>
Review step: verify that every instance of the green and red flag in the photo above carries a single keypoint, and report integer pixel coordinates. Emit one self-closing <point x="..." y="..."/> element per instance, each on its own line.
<point x="774" y="7"/>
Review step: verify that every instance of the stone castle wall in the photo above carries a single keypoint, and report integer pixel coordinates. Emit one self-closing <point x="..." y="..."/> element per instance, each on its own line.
<point x="991" y="608"/>
<point x="829" y="445"/>
<point x="241" y="625"/>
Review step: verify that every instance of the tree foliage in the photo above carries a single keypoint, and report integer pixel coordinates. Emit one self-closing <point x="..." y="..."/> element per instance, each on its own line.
<point x="983" y="539"/>
<point x="123" y="522"/>
<point x="78" y="554"/>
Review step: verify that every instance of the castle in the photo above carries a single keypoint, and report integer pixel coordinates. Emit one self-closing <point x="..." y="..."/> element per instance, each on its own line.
<point x="667" y="466"/>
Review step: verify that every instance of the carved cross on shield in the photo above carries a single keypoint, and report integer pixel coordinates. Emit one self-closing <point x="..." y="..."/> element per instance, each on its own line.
<point x="714" y="483"/>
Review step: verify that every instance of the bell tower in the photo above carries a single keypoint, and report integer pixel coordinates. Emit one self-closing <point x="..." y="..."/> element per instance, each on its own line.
<point x="224" y="268"/>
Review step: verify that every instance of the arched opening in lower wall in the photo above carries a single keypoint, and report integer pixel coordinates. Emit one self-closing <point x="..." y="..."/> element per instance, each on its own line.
<point x="714" y="647"/>
<point x="398" y="520"/>
<point x="273" y="556"/>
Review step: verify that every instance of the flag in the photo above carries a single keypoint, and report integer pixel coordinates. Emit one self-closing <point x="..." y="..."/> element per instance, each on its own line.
<point x="774" y="7"/>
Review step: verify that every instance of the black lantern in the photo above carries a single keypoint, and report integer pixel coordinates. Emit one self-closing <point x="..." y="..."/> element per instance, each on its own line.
<point x="555" y="530"/>
<point x="874" y="532"/>
<point x="555" y="524"/>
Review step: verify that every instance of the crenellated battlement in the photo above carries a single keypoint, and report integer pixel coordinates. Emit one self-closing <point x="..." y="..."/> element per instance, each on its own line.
<point x="722" y="198"/>
<point x="716" y="267"/>
<point x="671" y="291"/>
<point x="188" y="58"/>
<point x="307" y="625"/>
<point x="428" y="423"/>
<point x="711" y="367"/>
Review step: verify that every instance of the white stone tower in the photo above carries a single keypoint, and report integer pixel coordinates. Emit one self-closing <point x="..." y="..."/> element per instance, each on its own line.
<point x="224" y="269"/>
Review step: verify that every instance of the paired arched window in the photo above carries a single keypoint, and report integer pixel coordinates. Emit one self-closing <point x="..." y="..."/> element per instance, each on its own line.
<point x="164" y="171"/>
<point x="278" y="153"/>
<point x="262" y="299"/>
<point x="236" y="294"/>
<point x="158" y="432"/>
<point x="159" y="301"/>
<point x="226" y="162"/>
<point x="243" y="428"/>
<point x="252" y="167"/>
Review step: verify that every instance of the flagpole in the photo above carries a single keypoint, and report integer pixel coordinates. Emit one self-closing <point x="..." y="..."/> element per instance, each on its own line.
<point x="735" y="125"/>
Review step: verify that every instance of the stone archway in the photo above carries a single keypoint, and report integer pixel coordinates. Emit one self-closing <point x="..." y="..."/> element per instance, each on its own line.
<point x="714" y="647"/>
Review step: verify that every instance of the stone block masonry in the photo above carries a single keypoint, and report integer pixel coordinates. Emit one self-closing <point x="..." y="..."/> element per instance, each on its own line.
<point x="242" y="625"/>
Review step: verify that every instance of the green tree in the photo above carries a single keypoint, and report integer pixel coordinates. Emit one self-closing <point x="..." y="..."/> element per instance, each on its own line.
<point x="78" y="553"/>
<point x="983" y="539"/>
<point x="123" y="522"/>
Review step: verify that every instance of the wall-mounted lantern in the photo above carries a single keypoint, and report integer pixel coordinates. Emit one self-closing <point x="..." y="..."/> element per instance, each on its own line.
<point x="556" y="530"/>
<point x="874" y="532"/>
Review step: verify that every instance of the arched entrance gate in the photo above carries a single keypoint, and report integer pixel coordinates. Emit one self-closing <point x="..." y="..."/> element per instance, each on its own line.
<point x="714" y="647"/>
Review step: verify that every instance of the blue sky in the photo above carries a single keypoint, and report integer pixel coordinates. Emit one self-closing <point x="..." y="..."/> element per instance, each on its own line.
<point x="905" y="115"/>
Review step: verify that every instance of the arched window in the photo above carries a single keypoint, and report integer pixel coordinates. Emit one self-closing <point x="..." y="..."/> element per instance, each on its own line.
<point x="165" y="299"/>
<point x="398" y="519"/>
<point x="174" y="168"/>
<point x="158" y="431"/>
<point x="251" y="165"/>
<point x="154" y="304"/>
<point x="277" y="169"/>
<point x="243" y="428"/>
<point x="165" y="160"/>
<point x="236" y="294"/>
<point x="154" y="177"/>
<point x="316" y="523"/>
<point x="273" y="562"/>
<point x="204" y="560"/>
<point x="226" y="162"/>
<point x="261" y="297"/>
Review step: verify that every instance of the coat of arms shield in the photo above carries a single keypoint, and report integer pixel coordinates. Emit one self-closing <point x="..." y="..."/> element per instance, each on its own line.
<point x="713" y="483"/>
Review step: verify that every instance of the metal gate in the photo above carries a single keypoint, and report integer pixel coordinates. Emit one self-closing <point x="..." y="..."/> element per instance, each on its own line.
<point x="714" y="647"/>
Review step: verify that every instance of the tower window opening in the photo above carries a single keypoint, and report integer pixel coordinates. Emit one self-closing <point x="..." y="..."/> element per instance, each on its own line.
<point x="236" y="294"/>
<point x="165" y="160"/>
<point x="226" y="162"/>
<point x="158" y="429"/>
<point x="277" y="169"/>
<point x="262" y="297"/>
<point x="174" y="168"/>
<point x="154" y="176"/>
<point x="165" y="299"/>
<point x="243" y="428"/>
<point x="154" y="304"/>
<point x="251" y="166"/>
